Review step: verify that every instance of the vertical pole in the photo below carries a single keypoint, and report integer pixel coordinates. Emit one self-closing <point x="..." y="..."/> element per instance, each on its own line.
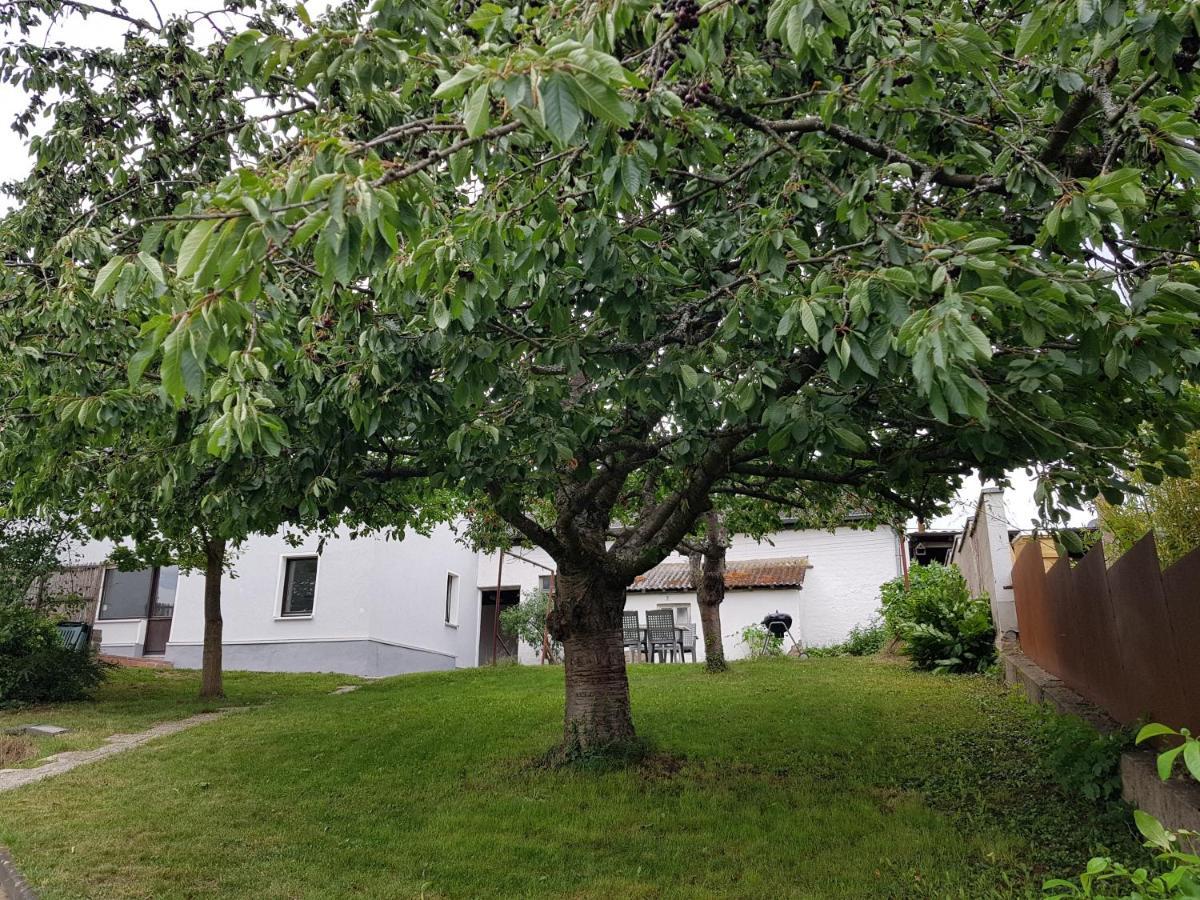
<point x="903" y="537"/>
<point x="496" y="615"/>
<point x="545" y="624"/>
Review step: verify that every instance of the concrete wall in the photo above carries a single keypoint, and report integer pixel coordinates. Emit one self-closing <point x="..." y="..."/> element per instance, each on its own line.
<point x="841" y="589"/>
<point x="984" y="556"/>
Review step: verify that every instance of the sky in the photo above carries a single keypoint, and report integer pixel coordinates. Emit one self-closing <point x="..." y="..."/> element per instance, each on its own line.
<point x="103" y="31"/>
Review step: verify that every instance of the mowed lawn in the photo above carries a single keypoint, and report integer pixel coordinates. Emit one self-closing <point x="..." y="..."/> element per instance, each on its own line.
<point x="821" y="778"/>
<point x="133" y="700"/>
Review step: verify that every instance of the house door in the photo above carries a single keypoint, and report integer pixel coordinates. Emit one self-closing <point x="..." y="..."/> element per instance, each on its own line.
<point x="162" y="611"/>
<point x="492" y="645"/>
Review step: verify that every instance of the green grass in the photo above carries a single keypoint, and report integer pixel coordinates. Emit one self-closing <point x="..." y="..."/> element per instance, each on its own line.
<point x="132" y="700"/>
<point x="825" y="778"/>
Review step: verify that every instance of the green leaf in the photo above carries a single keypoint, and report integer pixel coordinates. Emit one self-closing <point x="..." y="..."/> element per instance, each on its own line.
<point x="457" y="83"/>
<point x="648" y="235"/>
<point x="191" y="251"/>
<point x="1152" y="829"/>
<point x="107" y="276"/>
<point x="1181" y="160"/>
<point x="984" y="244"/>
<point x="1087" y="10"/>
<point x="1153" y="730"/>
<point x="484" y="16"/>
<point x="690" y="376"/>
<point x="475" y="114"/>
<point x="152" y="266"/>
<point x="1191" y="758"/>
<point x="599" y="99"/>
<point x="836" y="14"/>
<point x="1031" y="27"/>
<point x="849" y="439"/>
<point x="809" y="321"/>
<point x="1166" y="761"/>
<point x="560" y="112"/>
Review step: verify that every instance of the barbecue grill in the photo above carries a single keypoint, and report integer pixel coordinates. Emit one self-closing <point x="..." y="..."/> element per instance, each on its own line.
<point x="778" y="624"/>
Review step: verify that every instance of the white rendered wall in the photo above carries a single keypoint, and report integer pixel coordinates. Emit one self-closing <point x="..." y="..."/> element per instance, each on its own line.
<point x="368" y="588"/>
<point x="841" y="589"/>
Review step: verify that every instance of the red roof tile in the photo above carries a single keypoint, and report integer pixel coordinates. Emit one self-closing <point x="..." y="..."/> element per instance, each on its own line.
<point x="740" y="574"/>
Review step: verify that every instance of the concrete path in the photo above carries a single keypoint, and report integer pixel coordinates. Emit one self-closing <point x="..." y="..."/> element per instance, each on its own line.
<point x="118" y="743"/>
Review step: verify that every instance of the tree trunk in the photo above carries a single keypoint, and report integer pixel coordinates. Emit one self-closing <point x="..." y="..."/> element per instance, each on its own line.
<point x="211" y="683"/>
<point x="708" y="579"/>
<point x="587" y="619"/>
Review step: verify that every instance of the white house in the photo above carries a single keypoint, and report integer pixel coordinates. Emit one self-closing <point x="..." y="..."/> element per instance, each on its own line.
<point x="373" y="606"/>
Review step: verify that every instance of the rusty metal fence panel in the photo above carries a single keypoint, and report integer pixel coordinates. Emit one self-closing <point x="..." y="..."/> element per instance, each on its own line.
<point x="1125" y="637"/>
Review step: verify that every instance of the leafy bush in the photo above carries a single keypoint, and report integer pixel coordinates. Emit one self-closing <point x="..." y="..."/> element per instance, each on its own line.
<point x="1179" y="872"/>
<point x="36" y="666"/>
<point x="761" y="643"/>
<point x="863" y="640"/>
<point x="1082" y="760"/>
<point x="527" y="620"/>
<point x="944" y="628"/>
<point x="866" y="640"/>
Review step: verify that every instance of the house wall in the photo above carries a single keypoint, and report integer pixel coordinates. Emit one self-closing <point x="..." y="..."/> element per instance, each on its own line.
<point x="378" y="608"/>
<point x="841" y="589"/>
<point x="985" y="557"/>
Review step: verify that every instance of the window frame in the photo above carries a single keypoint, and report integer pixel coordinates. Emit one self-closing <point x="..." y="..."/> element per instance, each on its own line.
<point x="151" y="594"/>
<point x="285" y="581"/>
<point x="453" y="604"/>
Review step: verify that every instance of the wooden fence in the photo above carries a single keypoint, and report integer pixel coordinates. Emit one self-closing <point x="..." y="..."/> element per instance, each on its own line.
<point x="1126" y="637"/>
<point x="83" y="583"/>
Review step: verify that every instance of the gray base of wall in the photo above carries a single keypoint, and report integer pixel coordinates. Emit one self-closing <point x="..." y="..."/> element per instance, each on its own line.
<point x="1175" y="803"/>
<point x="370" y="659"/>
<point x="121" y="649"/>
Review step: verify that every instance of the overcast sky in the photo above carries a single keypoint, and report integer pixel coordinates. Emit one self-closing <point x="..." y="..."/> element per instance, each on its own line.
<point x="101" y="30"/>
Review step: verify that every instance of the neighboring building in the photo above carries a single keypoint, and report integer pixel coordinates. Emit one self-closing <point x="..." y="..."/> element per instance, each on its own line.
<point x="372" y="606"/>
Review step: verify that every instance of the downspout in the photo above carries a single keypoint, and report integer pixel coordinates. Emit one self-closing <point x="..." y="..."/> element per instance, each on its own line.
<point x="496" y="616"/>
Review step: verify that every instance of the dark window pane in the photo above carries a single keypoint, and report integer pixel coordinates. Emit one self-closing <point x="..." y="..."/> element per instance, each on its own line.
<point x="126" y="595"/>
<point x="164" y="597"/>
<point x="300" y="586"/>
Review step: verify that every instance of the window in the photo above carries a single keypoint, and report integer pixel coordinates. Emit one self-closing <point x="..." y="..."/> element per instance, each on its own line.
<point x="451" y="599"/>
<point x="546" y="583"/>
<point x="126" y="595"/>
<point x="164" y="595"/>
<point x="299" y="586"/>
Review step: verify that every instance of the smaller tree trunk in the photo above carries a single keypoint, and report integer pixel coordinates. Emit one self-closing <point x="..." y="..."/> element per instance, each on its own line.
<point x="211" y="679"/>
<point x="708" y="578"/>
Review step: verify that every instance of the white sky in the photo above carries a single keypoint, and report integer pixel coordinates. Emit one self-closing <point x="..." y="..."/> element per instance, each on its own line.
<point x="103" y="31"/>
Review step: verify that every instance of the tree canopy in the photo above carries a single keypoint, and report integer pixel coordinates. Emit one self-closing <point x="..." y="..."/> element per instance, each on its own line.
<point x="621" y="256"/>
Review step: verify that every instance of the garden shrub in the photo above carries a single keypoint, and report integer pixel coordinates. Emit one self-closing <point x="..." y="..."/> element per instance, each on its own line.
<point x="761" y="643"/>
<point x="863" y="640"/>
<point x="527" y="620"/>
<point x="36" y="666"/>
<point x="943" y="627"/>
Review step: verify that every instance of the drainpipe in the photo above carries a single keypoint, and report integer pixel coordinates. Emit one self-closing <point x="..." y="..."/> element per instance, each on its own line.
<point x="496" y="616"/>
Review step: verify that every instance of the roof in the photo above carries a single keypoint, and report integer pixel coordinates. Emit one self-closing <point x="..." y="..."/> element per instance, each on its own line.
<point x="740" y="574"/>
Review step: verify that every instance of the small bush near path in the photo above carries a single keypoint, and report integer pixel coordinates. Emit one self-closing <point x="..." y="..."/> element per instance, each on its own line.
<point x="822" y="778"/>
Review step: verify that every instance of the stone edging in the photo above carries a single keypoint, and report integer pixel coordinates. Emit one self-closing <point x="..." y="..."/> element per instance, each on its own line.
<point x="12" y="885"/>
<point x="1175" y="803"/>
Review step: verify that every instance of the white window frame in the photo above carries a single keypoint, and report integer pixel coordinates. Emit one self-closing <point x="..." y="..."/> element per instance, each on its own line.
<point x="453" y="599"/>
<point x="282" y="586"/>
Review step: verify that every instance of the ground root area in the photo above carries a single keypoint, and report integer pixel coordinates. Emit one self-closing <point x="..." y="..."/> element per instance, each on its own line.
<point x="782" y="778"/>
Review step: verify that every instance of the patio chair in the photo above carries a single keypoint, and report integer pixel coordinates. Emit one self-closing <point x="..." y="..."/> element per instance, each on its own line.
<point x="631" y="634"/>
<point x="688" y="644"/>
<point x="661" y="635"/>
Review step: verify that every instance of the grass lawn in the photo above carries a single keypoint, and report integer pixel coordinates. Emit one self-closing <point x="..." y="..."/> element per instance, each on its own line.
<point x="824" y="778"/>
<point x="134" y="699"/>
